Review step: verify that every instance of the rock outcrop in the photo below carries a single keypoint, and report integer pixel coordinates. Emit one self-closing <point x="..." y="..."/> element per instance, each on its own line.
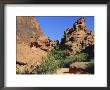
<point x="78" y="38"/>
<point x="54" y="43"/>
<point x="79" y="67"/>
<point x="29" y="32"/>
<point x="32" y="44"/>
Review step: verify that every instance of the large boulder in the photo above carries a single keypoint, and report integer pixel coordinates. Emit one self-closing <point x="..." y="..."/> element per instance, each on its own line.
<point x="79" y="67"/>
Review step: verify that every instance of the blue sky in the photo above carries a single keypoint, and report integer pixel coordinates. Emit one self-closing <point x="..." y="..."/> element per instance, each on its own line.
<point x="54" y="26"/>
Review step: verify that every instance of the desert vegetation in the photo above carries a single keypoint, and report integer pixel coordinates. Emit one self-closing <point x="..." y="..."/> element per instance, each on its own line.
<point x="38" y="54"/>
<point x="60" y="58"/>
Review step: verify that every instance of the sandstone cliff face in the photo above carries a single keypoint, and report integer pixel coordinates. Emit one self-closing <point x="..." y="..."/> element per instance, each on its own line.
<point x="29" y="31"/>
<point x="32" y="44"/>
<point x="78" y="38"/>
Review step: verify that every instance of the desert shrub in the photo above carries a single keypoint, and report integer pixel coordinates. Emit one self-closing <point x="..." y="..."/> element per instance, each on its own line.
<point x="90" y="68"/>
<point x="59" y="58"/>
<point x="49" y="66"/>
<point x="69" y="60"/>
<point x="82" y="57"/>
<point x="53" y="61"/>
<point x="59" y="55"/>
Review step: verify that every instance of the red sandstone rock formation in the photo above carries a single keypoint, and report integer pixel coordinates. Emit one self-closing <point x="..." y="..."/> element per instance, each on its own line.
<point x="78" y="38"/>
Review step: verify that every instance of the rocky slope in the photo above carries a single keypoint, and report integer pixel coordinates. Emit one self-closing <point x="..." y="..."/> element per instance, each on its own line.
<point x="78" y="38"/>
<point x="32" y="44"/>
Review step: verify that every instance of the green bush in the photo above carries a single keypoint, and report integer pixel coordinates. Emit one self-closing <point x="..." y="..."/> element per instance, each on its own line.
<point x="53" y="61"/>
<point x="59" y="55"/>
<point x="49" y="66"/>
<point x="90" y="68"/>
<point x="82" y="57"/>
<point x="69" y="60"/>
<point x="59" y="58"/>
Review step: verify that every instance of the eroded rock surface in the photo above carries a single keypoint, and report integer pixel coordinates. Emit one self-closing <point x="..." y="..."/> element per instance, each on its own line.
<point x="32" y="44"/>
<point x="78" y="38"/>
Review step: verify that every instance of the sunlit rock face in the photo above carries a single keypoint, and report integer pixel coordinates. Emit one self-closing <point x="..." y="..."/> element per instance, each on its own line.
<point x="31" y="43"/>
<point x="78" y="38"/>
<point x="28" y="30"/>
